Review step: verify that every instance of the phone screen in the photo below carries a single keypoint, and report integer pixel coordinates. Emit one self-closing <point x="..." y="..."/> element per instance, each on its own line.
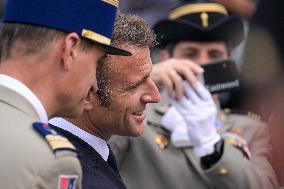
<point x="221" y="76"/>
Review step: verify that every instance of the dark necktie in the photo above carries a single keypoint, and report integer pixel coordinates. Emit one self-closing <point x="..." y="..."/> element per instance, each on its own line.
<point x="112" y="162"/>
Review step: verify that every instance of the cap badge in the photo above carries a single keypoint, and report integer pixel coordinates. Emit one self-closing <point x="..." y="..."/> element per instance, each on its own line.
<point x="204" y="19"/>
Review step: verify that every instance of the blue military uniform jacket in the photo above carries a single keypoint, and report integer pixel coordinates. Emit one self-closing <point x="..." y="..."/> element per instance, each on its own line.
<point x="97" y="173"/>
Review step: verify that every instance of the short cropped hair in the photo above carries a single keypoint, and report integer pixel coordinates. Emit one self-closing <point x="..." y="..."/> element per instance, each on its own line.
<point x="128" y="30"/>
<point x="133" y="30"/>
<point x="29" y="39"/>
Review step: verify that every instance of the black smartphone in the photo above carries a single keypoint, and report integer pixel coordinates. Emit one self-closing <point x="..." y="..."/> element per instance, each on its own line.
<point x="221" y="76"/>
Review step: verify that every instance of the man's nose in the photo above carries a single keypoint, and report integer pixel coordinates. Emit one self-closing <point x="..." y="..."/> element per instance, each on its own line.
<point x="203" y="59"/>
<point x="152" y="95"/>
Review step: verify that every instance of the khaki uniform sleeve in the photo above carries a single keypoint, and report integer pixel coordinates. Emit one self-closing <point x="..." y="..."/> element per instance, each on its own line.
<point x="66" y="165"/>
<point x="234" y="170"/>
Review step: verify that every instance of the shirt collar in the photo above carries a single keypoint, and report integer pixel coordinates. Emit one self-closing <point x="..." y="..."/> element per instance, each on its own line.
<point x="23" y="90"/>
<point x="97" y="143"/>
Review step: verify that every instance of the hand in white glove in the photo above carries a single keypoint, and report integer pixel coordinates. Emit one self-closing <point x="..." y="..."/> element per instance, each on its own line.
<point x="199" y="112"/>
<point x="175" y="123"/>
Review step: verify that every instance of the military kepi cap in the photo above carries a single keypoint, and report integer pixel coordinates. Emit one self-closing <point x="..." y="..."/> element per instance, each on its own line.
<point x="200" y="21"/>
<point x="91" y="19"/>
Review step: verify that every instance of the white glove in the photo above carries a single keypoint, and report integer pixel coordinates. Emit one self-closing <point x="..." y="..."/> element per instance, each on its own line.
<point x="199" y="112"/>
<point x="175" y="123"/>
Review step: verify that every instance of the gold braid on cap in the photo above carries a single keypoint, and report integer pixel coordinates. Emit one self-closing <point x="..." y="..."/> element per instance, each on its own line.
<point x="96" y="37"/>
<point x="196" y="8"/>
<point x="112" y="2"/>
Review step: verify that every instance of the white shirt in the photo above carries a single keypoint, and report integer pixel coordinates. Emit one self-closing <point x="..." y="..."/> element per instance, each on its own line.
<point x="97" y="143"/>
<point x="24" y="91"/>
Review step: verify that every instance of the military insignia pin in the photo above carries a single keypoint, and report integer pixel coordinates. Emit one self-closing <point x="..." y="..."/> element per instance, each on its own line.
<point x="161" y="140"/>
<point x="236" y="140"/>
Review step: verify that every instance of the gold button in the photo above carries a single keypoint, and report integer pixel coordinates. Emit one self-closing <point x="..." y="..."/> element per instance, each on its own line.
<point x="223" y="172"/>
<point x="222" y="117"/>
<point x="230" y="141"/>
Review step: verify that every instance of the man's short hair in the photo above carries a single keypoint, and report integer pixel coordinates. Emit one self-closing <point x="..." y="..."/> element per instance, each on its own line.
<point x="29" y="39"/>
<point x="133" y="30"/>
<point x="128" y="30"/>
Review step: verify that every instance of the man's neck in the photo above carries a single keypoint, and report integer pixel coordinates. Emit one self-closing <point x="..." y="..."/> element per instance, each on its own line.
<point x="87" y="125"/>
<point x="30" y="73"/>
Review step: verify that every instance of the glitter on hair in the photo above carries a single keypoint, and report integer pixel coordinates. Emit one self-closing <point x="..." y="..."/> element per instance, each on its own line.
<point x="132" y="29"/>
<point x="104" y="91"/>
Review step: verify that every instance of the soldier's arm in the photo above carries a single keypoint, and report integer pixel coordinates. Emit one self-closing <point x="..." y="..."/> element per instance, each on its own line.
<point x="63" y="172"/>
<point x="235" y="170"/>
<point x="62" y="169"/>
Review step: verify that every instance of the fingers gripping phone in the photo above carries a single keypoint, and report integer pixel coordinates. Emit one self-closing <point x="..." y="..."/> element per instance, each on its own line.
<point x="221" y="76"/>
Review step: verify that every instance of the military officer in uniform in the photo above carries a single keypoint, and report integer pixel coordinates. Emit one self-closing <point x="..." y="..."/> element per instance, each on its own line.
<point x="125" y="87"/>
<point x="50" y="50"/>
<point x="188" y="141"/>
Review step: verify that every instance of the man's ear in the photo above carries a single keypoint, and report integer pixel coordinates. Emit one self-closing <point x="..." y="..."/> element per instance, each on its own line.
<point x="164" y="55"/>
<point x="89" y="100"/>
<point x="70" y="50"/>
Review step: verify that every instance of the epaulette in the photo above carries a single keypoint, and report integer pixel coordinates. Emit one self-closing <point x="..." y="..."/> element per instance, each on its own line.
<point x="250" y="114"/>
<point x="56" y="141"/>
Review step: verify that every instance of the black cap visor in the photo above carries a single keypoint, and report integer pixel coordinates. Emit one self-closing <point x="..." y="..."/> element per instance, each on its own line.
<point x="116" y="51"/>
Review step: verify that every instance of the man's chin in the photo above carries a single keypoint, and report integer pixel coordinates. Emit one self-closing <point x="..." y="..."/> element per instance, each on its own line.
<point x="136" y="132"/>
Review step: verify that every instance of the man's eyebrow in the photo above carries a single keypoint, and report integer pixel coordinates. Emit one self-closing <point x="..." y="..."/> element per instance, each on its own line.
<point x="190" y="48"/>
<point x="145" y="77"/>
<point x="139" y="82"/>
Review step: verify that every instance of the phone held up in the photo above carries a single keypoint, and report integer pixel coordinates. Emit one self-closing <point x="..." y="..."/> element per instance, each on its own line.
<point x="220" y="76"/>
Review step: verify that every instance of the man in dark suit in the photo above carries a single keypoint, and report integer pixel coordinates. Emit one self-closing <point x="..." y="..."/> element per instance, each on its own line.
<point x="46" y="47"/>
<point x="125" y="87"/>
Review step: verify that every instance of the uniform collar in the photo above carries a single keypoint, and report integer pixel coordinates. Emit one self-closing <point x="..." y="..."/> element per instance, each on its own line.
<point x="23" y="90"/>
<point x="97" y="143"/>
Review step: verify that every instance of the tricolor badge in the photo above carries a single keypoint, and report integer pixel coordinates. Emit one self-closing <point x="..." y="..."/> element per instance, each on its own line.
<point x="67" y="181"/>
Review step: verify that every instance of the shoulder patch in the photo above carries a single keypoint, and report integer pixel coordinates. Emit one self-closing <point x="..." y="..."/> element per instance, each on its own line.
<point x="67" y="181"/>
<point x="250" y="114"/>
<point x="56" y="141"/>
